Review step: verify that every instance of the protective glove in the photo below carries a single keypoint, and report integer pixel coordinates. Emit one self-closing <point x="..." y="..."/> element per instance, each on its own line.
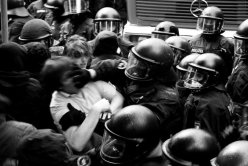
<point x="109" y="68"/>
<point x="80" y="76"/>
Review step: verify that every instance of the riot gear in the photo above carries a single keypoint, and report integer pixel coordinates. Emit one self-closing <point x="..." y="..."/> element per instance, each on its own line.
<point x="211" y="20"/>
<point x="182" y="67"/>
<point x="241" y="41"/>
<point x="148" y="58"/>
<point x="76" y="6"/>
<point x="207" y="70"/>
<point x="54" y="4"/>
<point x="108" y="19"/>
<point x="130" y="135"/>
<point x="165" y="30"/>
<point x="37" y="30"/>
<point x="180" y="47"/>
<point x="233" y="154"/>
<point x="191" y="147"/>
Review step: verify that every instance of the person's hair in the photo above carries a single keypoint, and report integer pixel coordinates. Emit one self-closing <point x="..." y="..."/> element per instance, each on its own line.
<point x="74" y="46"/>
<point x="37" y="54"/>
<point x="43" y="148"/>
<point x="52" y="72"/>
<point x="105" y="43"/>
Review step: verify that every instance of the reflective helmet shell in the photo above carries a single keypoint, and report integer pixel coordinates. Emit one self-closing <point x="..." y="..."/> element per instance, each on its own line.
<point x="109" y="19"/>
<point x="179" y="43"/>
<point x="129" y="135"/>
<point x="242" y="32"/>
<point x="191" y="147"/>
<point x="147" y="58"/>
<point x="165" y="30"/>
<point x="180" y="47"/>
<point x="233" y="154"/>
<point x="208" y="69"/>
<point x="241" y="41"/>
<point x="54" y="4"/>
<point x="182" y="67"/>
<point x="212" y="11"/>
<point x="107" y="13"/>
<point x="211" y="20"/>
<point x="210" y="61"/>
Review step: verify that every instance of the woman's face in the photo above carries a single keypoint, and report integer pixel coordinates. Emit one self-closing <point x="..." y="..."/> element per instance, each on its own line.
<point x="81" y="62"/>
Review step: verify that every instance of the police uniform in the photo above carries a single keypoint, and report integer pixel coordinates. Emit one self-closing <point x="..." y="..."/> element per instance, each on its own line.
<point x="237" y="83"/>
<point x="218" y="44"/>
<point x="210" y="109"/>
<point x="162" y="100"/>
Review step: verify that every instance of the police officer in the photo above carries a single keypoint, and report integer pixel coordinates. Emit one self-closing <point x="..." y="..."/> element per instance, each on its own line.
<point x="180" y="47"/>
<point x="208" y="107"/>
<point x="210" y="23"/>
<point x="17" y="17"/>
<point x="182" y="69"/>
<point x="55" y="17"/>
<point x="164" y="30"/>
<point x="237" y="83"/>
<point x="37" y="9"/>
<point x="191" y="147"/>
<point x="233" y="154"/>
<point x="132" y="138"/>
<point x="37" y="30"/>
<point x="109" y="19"/>
<point x="148" y="79"/>
<point x="80" y="18"/>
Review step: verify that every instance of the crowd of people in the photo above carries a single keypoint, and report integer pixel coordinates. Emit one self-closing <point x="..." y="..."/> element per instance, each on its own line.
<point x="75" y="92"/>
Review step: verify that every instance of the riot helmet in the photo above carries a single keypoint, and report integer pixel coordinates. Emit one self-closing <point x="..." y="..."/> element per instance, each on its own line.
<point x="210" y="21"/>
<point x="165" y="30"/>
<point x="54" y="4"/>
<point x="37" y="30"/>
<point x="131" y="134"/>
<point x="75" y="7"/>
<point x="233" y="154"/>
<point x="108" y="19"/>
<point x="180" y="47"/>
<point x="207" y="70"/>
<point x="149" y="58"/>
<point x="241" y="41"/>
<point x="182" y="67"/>
<point x="191" y="147"/>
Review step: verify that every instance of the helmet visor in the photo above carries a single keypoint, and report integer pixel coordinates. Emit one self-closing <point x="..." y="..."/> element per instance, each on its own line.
<point x="108" y="25"/>
<point x="240" y="47"/>
<point x="195" y="78"/>
<point x="118" y="150"/>
<point x="137" y="69"/>
<point x="178" y="55"/>
<point x="181" y="72"/>
<point x="76" y="6"/>
<point x="209" y="25"/>
<point x="162" y="35"/>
